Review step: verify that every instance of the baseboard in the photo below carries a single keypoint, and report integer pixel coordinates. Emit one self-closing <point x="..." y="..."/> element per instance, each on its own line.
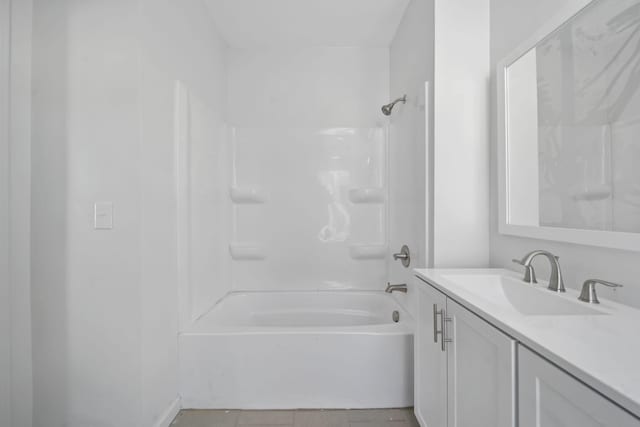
<point x="169" y="414"/>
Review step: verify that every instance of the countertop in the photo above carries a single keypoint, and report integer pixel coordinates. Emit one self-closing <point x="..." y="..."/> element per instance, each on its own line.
<point x="603" y="351"/>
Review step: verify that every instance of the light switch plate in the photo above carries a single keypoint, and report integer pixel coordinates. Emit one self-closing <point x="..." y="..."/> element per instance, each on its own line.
<point x="103" y="216"/>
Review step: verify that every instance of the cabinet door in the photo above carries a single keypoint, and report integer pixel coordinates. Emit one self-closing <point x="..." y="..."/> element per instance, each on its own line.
<point x="430" y="360"/>
<point x="549" y="397"/>
<point x="481" y="371"/>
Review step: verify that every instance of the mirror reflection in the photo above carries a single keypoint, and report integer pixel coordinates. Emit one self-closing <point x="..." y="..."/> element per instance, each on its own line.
<point x="573" y="124"/>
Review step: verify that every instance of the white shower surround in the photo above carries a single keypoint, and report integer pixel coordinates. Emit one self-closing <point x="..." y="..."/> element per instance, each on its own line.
<point x="289" y="350"/>
<point x="298" y="194"/>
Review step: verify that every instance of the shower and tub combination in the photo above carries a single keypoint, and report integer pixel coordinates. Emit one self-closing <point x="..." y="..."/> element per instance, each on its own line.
<point x="331" y="344"/>
<point x="293" y="199"/>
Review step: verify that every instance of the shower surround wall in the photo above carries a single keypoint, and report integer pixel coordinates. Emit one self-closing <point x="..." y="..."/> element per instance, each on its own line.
<point x="308" y="183"/>
<point x="309" y="208"/>
<point x="287" y="190"/>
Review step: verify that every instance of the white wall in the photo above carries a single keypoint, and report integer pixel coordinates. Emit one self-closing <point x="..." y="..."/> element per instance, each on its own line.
<point x="20" y="132"/>
<point x="410" y="167"/>
<point x="105" y="309"/>
<point x="15" y="320"/>
<point x="461" y="141"/>
<point x="439" y="145"/>
<point x="178" y="43"/>
<point x="5" y="273"/>
<point x="513" y="22"/>
<point x="307" y="87"/>
<point x="86" y="284"/>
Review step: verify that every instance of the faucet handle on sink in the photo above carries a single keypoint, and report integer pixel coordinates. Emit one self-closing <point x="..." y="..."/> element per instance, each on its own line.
<point x="529" y="274"/>
<point x="588" y="293"/>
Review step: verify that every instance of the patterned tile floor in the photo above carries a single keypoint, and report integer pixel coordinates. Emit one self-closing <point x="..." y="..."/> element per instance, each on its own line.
<point x="298" y="418"/>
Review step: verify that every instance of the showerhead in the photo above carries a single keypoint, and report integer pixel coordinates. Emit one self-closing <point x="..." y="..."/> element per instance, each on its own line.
<point x="386" y="109"/>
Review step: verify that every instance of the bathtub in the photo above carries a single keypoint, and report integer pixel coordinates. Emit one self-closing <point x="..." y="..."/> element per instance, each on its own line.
<point x="289" y="350"/>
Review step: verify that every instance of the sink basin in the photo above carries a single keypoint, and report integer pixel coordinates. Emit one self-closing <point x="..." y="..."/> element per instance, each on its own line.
<point x="527" y="299"/>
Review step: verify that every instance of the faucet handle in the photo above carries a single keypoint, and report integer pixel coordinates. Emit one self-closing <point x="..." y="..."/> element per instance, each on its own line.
<point x="529" y="273"/>
<point x="404" y="256"/>
<point x="588" y="293"/>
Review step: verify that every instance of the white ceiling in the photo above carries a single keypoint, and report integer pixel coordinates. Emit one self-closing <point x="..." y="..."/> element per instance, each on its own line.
<point x="293" y="23"/>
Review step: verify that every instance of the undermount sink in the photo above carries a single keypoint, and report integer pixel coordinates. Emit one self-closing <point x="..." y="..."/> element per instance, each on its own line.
<point x="512" y="293"/>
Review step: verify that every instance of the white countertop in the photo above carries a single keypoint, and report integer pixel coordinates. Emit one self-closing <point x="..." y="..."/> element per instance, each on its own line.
<point x="602" y="350"/>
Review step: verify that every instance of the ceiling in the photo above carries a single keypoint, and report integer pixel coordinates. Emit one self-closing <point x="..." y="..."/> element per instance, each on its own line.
<point x="296" y="23"/>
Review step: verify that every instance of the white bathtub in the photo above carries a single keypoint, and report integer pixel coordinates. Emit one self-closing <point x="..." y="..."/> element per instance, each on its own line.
<point x="286" y="350"/>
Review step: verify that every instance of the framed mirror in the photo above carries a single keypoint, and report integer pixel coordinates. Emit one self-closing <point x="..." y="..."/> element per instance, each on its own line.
<point x="569" y="128"/>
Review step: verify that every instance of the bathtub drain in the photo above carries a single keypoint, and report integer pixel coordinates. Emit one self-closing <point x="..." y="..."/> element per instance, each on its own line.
<point x="395" y="316"/>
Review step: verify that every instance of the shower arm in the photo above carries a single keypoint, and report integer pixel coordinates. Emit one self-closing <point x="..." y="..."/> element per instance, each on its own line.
<point x="388" y="108"/>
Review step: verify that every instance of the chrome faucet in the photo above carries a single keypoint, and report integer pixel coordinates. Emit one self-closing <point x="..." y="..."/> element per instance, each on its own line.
<point x="396" y="288"/>
<point x="556" y="283"/>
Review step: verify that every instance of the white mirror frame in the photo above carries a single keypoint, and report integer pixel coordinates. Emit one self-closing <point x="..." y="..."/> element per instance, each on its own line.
<point x="608" y="239"/>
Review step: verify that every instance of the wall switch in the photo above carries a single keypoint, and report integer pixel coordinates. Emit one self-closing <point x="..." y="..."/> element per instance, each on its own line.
<point x="103" y="216"/>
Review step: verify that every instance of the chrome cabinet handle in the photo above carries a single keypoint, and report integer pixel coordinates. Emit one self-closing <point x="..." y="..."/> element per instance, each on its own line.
<point x="588" y="293"/>
<point x="445" y="340"/>
<point x="435" y="323"/>
<point x="442" y="331"/>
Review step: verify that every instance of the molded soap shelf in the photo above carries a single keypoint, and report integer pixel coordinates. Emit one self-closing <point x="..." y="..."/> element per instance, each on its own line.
<point x="602" y="192"/>
<point x="367" y="195"/>
<point x="247" y="251"/>
<point x="247" y="195"/>
<point x="365" y="252"/>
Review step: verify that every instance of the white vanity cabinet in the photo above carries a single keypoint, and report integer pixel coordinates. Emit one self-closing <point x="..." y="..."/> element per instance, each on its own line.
<point x="549" y="397"/>
<point x="484" y="373"/>
<point x="480" y="371"/>
<point x="430" y="369"/>
<point x="469" y="379"/>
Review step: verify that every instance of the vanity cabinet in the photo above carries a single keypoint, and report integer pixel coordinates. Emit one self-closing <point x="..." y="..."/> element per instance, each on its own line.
<point x="468" y="379"/>
<point x="480" y="371"/>
<point x="549" y="397"/>
<point x="430" y="369"/>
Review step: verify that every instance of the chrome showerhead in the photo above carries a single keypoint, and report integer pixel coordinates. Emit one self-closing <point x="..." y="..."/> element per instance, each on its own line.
<point x="386" y="109"/>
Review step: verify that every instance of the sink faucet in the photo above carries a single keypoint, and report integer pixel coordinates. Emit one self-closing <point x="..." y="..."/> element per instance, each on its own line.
<point x="396" y="288"/>
<point x="556" y="283"/>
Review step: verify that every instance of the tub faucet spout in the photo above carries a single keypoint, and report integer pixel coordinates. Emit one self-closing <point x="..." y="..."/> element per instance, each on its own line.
<point x="396" y="288"/>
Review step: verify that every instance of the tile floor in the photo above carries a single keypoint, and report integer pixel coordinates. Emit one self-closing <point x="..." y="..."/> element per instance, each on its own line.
<point x="299" y="418"/>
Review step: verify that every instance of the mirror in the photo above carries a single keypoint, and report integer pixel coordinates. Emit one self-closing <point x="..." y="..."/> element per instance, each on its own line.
<point x="570" y="129"/>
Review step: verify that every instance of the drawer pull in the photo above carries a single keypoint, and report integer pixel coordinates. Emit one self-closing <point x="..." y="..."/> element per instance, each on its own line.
<point x="442" y="331"/>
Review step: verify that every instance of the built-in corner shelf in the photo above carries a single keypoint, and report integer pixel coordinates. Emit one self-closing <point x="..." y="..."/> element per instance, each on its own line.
<point x="247" y="251"/>
<point x="373" y="195"/>
<point x="602" y="192"/>
<point x="247" y="195"/>
<point x="367" y="252"/>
